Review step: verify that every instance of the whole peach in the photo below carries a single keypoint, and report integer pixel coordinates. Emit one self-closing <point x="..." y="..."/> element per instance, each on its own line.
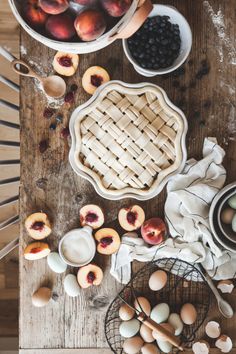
<point x="153" y="231"/>
<point x="86" y="2"/>
<point x="54" y="7"/>
<point x="34" y="15"/>
<point x="60" y="27"/>
<point x="116" y="8"/>
<point x="90" y="24"/>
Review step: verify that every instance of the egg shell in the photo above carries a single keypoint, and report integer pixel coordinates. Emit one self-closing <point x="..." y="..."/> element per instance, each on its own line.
<point x="160" y="313"/>
<point x="149" y="349"/>
<point x="232" y="201"/>
<point x="165" y="347"/>
<point x="159" y="336"/>
<point x="227" y="215"/>
<point x="55" y="263"/>
<point x="188" y="314"/>
<point x="71" y="285"/>
<point x="142" y="305"/>
<point x="41" y="297"/>
<point x="157" y="280"/>
<point x="175" y="321"/>
<point x="129" y="328"/>
<point x="146" y="334"/>
<point x="234" y="223"/>
<point x="133" y="345"/>
<point x="126" y="313"/>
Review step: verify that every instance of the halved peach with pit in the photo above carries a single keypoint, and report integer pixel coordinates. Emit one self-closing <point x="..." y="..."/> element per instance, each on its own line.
<point x="94" y="77"/>
<point x="131" y="218"/>
<point x="89" y="275"/>
<point x="65" y="64"/>
<point x="108" y="241"/>
<point x="91" y="215"/>
<point x="38" y="226"/>
<point x="36" y="250"/>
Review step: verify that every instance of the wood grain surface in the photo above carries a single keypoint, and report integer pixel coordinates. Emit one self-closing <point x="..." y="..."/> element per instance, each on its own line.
<point x="48" y="182"/>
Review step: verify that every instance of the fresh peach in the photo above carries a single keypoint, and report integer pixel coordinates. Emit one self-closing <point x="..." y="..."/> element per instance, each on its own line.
<point x="108" y="241"/>
<point x="65" y="63"/>
<point x="86" y="2"/>
<point x="90" y="24"/>
<point x="89" y="275"/>
<point x="94" y="77"/>
<point x="54" y="7"/>
<point x="91" y="215"/>
<point x="34" y="15"/>
<point x="60" y="27"/>
<point x="153" y="231"/>
<point x="38" y="226"/>
<point x="131" y="218"/>
<point x="36" y="250"/>
<point x="116" y="8"/>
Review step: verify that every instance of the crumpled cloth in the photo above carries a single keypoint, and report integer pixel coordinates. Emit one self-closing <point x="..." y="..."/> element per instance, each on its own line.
<point x="189" y="195"/>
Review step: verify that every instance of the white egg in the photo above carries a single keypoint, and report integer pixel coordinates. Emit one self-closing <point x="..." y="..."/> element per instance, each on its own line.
<point x="165" y="347"/>
<point x="175" y="320"/>
<point x="129" y="328"/>
<point x="71" y="285"/>
<point x="160" y="313"/>
<point x="55" y="263"/>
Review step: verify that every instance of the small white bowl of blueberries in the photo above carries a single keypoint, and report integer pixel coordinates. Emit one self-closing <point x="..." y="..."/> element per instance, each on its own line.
<point x="162" y="44"/>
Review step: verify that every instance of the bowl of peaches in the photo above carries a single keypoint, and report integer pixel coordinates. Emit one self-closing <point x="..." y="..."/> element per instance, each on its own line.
<point x="80" y="26"/>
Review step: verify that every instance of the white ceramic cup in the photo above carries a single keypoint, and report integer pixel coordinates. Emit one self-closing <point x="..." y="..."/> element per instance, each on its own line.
<point x="186" y="41"/>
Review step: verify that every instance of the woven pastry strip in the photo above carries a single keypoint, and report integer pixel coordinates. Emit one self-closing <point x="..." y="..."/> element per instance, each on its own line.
<point x="128" y="140"/>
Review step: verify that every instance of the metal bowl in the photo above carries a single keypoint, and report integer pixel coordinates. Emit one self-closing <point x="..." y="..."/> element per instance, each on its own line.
<point x="213" y="217"/>
<point x="225" y="228"/>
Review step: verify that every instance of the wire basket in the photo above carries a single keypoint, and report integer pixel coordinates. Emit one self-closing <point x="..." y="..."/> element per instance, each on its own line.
<point x="185" y="284"/>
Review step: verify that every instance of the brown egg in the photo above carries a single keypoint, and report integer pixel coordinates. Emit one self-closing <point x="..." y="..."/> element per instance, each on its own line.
<point x="227" y="215"/>
<point x="149" y="349"/>
<point x="146" y="334"/>
<point x="188" y="314"/>
<point x="142" y="304"/>
<point x="157" y="280"/>
<point x="133" y="345"/>
<point x="41" y="297"/>
<point x="126" y="313"/>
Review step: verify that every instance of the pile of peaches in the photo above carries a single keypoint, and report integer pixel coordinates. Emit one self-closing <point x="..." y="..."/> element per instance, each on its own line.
<point x="108" y="240"/>
<point x="63" y="21"/>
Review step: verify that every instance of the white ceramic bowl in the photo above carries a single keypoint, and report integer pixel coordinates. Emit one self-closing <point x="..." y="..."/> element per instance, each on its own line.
<point x="217" y="202"/>
<point x="186" y="41"/>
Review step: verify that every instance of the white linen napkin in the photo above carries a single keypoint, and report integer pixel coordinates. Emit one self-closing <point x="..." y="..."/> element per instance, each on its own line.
<point x="189" y="195"/>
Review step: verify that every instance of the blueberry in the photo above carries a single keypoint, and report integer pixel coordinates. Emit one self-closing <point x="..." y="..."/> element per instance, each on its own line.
<point x="164" y="41"/>
<point x="154" y="48"/>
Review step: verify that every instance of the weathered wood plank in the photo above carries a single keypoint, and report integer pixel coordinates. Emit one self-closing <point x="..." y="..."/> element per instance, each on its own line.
<point x="209" y="106"/>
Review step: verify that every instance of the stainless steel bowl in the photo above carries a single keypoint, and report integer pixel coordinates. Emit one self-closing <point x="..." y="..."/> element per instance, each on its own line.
<point x="225" y="228"/>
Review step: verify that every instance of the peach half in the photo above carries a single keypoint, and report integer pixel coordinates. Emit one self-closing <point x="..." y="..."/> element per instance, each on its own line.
<point x="89" y="275"/>
<point x="65" y="64"/>
<point x="54" y="7"/>
<point x="131" y="218"/>
<point x="91" y="215"/>
<point x="38" y="226"/>
<point x="94" y="77"/>
<point x="108" y="241"/>
<point x="36" y="250"/>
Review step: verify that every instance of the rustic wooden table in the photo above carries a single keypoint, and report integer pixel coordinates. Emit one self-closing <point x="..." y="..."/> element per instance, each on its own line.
<point x="204" y="89"/>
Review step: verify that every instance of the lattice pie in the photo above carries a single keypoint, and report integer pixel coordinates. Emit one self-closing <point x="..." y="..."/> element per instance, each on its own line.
<point x="129" y="139"/>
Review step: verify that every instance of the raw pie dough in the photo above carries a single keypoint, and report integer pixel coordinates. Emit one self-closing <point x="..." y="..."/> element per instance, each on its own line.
<point x="128" y="139"/>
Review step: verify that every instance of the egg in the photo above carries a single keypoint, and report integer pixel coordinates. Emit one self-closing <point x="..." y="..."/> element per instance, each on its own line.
<point x="149" y="349"/>
<point x="129" y="328"/>
<point x="142" y="305"/>
<point x="126" y="313"/>
<point x="234" y="223"/>
<point x="232" y="201"/>
<point x="227" y="215"/>
<point x="157" y="280"/>
<point x="71" y="285"/>
<point x="188" y="314"/>
<point x="133" y="345"/>
<point x="41" y="297"/>
<point x="175" y="321"/>
<point x="146" y="333"/>
<point x="159" y="336"/>
<point x="160" y="312"/>
<point x="55" y="263"/>
<point x="165" y="347"/>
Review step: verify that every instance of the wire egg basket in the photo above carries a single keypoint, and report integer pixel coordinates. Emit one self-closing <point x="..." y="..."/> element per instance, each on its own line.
<point x="185" y="284"/>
